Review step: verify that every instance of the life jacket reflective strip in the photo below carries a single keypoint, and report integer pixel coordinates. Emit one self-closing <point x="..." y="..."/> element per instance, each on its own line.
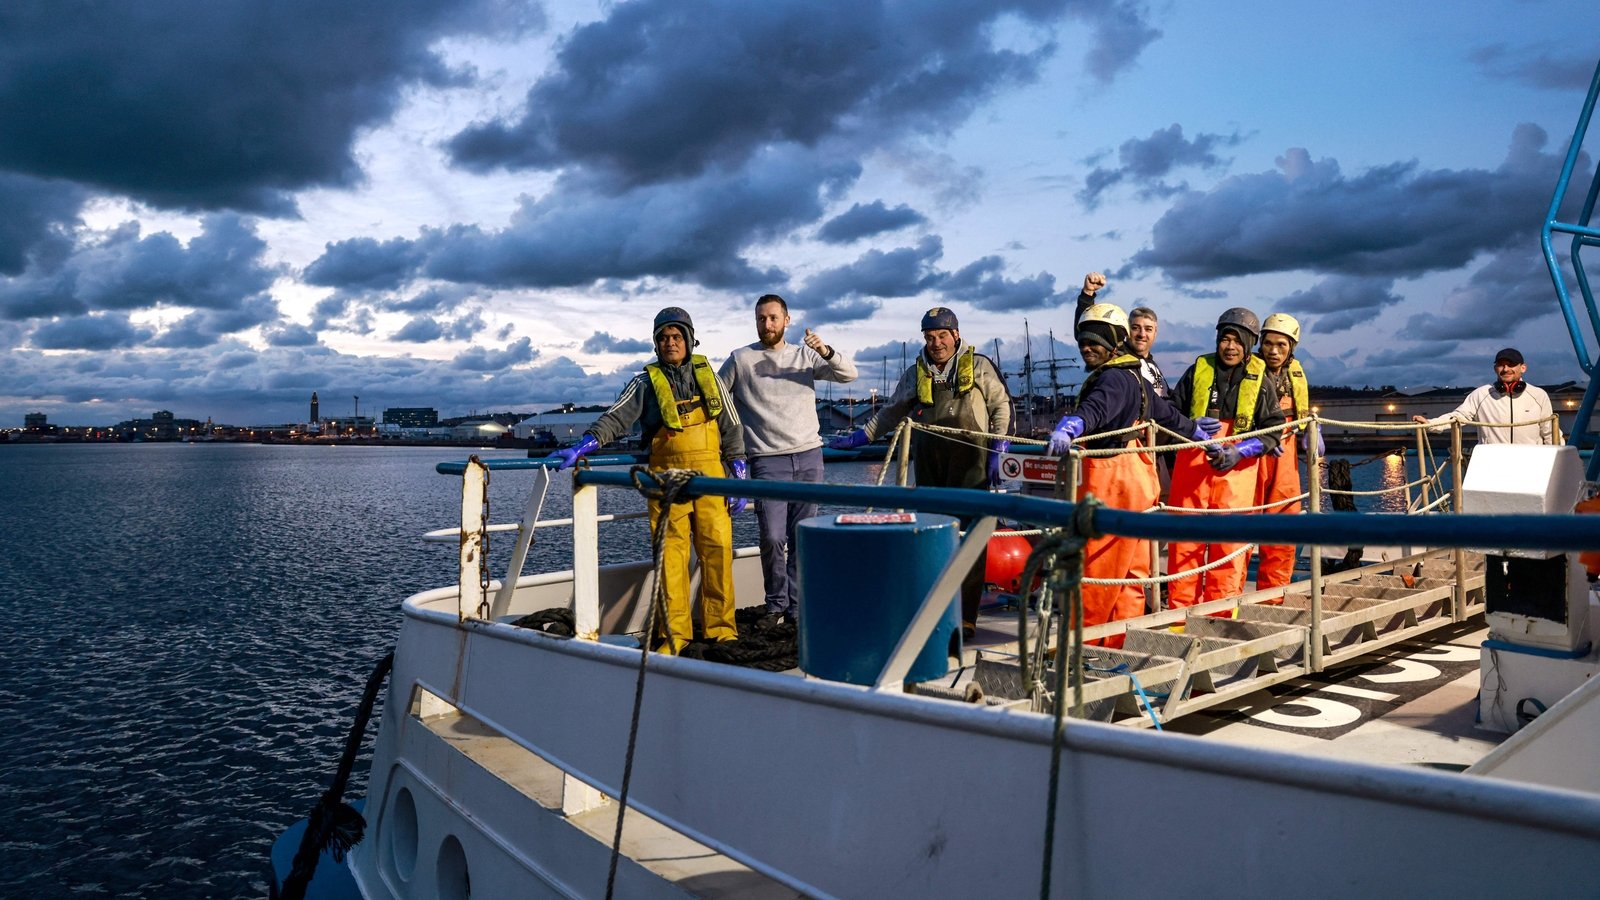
<point x="704" y="378"/>
<point x="1205" y="376"/>
<point x="964" y="376"/>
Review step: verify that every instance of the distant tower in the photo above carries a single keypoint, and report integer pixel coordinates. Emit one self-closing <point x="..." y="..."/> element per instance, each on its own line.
<point x="314" y="418"/>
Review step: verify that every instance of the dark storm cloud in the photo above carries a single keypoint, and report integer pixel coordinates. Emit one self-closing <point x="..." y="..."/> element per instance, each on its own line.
<point x="201" y="105"/>
<point x="94" y="332"/>
<point x="903" y="272"/>
<point x="983" y="284"/>
<point x="289" y="334"/>
<point x="860" y="221"/>
<point x="603" y="342"/>
<point x="419" y="330"/>
<point x="1339" y="303"/>
<point x="1120" y="35"/>
<point x="482" y="359"/>
<point x="841" y="309"/>
<point x="365" y="264"/>
<point x="1536" y="67"/>
<point x="273" y="385"/>
<point x="890" y="351"/>
<point x="688" y="230"/>
<point x="1395" y="220"/>
<point x="1145" y="162"/>
<point x="39" y="214"/>
<point x="1511" y="289"/>
<point x="222" y="269"/>
<point x="651" y="93"/>
<point x="422" y="329"/>
<point x="434" y="299"/>
<point x="205" y="327"/>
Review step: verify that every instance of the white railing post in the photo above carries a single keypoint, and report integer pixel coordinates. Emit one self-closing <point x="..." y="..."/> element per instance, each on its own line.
<point x="585" y="560"/>
<point x="473" y="596"/>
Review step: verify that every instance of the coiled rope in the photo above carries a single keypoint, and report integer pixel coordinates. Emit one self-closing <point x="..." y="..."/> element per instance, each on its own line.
<point x="666" y="488"/>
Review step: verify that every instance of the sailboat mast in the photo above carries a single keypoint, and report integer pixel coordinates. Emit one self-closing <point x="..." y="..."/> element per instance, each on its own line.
<point x="1027" y="372"/>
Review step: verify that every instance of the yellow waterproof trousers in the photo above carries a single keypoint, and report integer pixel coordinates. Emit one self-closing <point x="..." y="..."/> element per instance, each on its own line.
<point x="703" y="521"/>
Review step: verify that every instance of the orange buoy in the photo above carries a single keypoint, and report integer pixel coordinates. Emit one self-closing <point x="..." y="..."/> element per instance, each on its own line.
<point x="1589" y="558"/>
<point x="1008" y="557"/>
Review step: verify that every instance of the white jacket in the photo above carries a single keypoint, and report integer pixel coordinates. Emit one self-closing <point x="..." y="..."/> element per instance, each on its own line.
<point x="1523" y="417"/>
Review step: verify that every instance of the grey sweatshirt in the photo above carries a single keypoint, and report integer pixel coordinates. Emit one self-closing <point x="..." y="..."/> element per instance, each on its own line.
<point x="776" y="393"/>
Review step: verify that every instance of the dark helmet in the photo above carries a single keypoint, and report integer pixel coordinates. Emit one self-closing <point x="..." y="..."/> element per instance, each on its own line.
<point x="675" y="315"/>
<point x="1242" y="321"/>
<point x="940" y="317"/>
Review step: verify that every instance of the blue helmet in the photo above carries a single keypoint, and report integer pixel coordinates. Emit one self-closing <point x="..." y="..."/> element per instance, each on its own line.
<point x="674" y="315"/>
<point x="940" y="317"/>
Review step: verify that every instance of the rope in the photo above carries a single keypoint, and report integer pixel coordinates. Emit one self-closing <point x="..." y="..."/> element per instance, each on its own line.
<point x="665" y="488"/>
<point x="334" y="826"/>
<point x="1065" y="576"/>
<point x="1175" y="576"/>
<point x="1124" y="669"/>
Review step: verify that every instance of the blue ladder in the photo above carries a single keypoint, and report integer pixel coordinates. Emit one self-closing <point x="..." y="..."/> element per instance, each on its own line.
<point x="1583" y="235"/>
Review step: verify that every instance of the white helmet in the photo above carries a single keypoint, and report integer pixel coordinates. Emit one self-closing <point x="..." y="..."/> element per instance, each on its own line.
<point x="1103" y="323"/>
<point x="1284" y="324"/>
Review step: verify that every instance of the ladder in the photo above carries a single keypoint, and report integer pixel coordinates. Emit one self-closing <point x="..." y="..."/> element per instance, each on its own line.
<point x="1583" y="235"/>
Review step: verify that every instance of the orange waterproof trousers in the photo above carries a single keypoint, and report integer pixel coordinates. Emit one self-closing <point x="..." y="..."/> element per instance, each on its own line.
<point x="1127" y="481"/>
<point x="1195" y="485"/>
<point x="1277" y="478"/>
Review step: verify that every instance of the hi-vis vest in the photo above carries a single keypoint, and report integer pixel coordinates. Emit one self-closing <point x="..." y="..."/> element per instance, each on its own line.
<point x="1125" y="361"/>
<point x="1205" y="376"/>
<point x="1299" y="390"/>
<point x="671" y="406"/>
<point x="964" y="376"/>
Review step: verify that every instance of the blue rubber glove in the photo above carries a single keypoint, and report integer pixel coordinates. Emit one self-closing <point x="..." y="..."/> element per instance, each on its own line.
<point x="741" y="469"/>
<point x="1227" y="456"/>
<point x="995" y="449"/>
<point x="850" y="441"/>
<point x="1205" y="427"/>
<point x="1061" y="439"/>
<point x="1305" y="438"/>
<point x="569" y="456"/>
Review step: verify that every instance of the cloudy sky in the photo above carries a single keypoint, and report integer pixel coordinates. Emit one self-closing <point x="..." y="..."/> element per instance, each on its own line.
<point x="217" y="208"/>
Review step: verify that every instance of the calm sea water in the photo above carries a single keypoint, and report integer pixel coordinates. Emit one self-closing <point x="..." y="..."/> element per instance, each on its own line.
<point x="187" y="631"/>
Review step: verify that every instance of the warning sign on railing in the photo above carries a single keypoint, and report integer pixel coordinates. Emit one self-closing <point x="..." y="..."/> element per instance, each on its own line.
<point x="1030" y="467"/>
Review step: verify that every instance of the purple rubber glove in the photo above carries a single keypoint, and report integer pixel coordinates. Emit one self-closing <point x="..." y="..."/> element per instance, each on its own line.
<point x="741" y="469"/>
<point x="1061" y="439"/>
<point x="1205" y="428"/>
<point x="569" y="456"/>
<point x="1227" y="456"/>
<point x="850" y="441"/>
<point x="1305" y="438"/>
<point x="995" y="449"/>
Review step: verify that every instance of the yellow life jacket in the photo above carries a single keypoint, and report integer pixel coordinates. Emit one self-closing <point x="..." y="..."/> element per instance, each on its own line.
<point x="964" y="375"/>
<point x="1205" y="375"/>
<point x="1125" y="361"/>
<point x="1299" y="390"/>
<point x="671" y="407"/>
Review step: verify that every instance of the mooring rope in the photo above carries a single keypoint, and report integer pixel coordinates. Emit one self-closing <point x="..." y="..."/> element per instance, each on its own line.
<point x="666" y="488"/>
<point x="1065" y="548"/>
<point x="335" y="826"/>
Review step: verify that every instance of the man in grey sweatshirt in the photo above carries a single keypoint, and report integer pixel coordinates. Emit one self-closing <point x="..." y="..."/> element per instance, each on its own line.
<point x="773" y="386"/>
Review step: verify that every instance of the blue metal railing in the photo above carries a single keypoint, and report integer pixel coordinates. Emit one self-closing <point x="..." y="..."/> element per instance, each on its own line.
<point x="1583" y="235"/>
<point x="1521" y="532"/>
